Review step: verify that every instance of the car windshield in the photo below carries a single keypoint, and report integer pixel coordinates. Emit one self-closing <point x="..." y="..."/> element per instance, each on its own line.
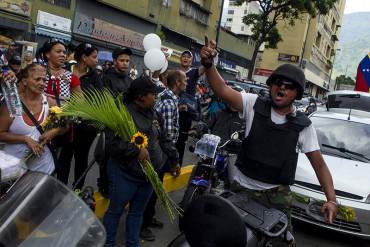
<point x="302" y="102"/>
<point x="349" y="101"/>
<point x="337" y="137"/>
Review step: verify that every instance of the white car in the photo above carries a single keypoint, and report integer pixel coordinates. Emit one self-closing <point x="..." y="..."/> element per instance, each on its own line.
<point x="344" y="138"/>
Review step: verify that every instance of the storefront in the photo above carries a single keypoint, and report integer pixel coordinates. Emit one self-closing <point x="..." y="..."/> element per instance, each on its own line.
<point x="101" y="26"/>
<point x="49" y="26"/>
<point x="15" y="20"/>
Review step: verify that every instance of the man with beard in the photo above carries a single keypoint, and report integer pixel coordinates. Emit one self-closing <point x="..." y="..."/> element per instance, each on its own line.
<point x="274" y="134"/>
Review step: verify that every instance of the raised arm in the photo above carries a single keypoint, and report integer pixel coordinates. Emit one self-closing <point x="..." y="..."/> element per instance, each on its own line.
<point x="218" y="85"/>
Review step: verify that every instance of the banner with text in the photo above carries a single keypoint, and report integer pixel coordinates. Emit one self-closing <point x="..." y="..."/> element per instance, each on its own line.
<point x="105" y="31"/>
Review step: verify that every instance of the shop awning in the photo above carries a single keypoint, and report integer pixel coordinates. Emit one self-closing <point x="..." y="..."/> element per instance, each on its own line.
<point x="53" y="33"/>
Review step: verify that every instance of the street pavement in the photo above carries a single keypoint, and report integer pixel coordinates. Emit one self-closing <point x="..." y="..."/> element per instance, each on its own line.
<point x="306" y="235"/>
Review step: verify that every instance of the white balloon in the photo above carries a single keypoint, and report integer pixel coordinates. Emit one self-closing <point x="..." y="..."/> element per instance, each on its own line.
<point x="152" y="41"/>
<point x="164" y="68"/>
<point x="154" y="59"/>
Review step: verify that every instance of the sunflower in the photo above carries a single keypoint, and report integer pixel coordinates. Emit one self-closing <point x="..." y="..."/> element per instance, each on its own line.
<point x="140" y="140"/>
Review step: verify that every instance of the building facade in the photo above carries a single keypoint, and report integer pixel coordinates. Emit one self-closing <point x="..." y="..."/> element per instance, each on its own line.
<point x="181" y="24"/>
<point x="30" y="23"/>
<point x="107" y="24"/>
<point x="311" y="44"/>
<point x="235" y="14"/>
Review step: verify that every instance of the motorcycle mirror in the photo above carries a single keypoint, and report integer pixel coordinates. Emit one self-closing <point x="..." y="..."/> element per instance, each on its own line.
<point x="235" y="136"/>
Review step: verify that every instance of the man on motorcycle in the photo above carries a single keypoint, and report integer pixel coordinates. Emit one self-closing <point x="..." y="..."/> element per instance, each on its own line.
<point x="274" y="134"/>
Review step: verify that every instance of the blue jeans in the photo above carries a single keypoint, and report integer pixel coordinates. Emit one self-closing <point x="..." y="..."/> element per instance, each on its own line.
<point x="124" y="189"/>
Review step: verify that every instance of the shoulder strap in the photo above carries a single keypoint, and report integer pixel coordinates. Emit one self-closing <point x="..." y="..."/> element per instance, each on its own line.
<point x="38" y="127"/>
<point x="34" y="121"/>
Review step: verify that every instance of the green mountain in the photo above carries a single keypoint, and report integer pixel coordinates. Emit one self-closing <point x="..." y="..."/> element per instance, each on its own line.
<point x="354" y="43"/>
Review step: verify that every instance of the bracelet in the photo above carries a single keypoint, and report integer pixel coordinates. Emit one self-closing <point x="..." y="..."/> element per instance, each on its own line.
<point x="332" y="202"/>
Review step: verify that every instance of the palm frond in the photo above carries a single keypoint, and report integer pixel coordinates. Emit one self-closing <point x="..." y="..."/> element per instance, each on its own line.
<point x="101" y="108"/>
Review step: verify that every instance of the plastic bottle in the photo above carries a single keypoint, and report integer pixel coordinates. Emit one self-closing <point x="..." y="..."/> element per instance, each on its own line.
<point x="11" y="96"/>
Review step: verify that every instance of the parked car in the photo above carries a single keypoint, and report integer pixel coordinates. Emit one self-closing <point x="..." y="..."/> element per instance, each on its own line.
<point x="307" y="105"/>
<point x="344" y="138"/>
<point x="259" y="89"/>
<point x="349" y="99"/>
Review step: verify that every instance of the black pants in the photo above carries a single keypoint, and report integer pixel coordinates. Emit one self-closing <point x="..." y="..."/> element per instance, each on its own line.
<point x="150" y="207"/>
<point x="185" y="125"/>
<point x="84" y="136"/>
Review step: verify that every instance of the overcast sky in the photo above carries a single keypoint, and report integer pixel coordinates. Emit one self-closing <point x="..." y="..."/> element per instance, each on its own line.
<point x="351" y="6"/>
<point x="357" y="6"/>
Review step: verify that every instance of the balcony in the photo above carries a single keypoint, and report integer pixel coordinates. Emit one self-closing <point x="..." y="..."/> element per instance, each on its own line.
<point x="195" y="11"/>
<point x="334" y="38"/>
<point x="329" y="64"/>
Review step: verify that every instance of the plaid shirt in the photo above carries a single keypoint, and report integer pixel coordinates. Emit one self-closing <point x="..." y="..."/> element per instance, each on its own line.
<point x="167" y="107"/>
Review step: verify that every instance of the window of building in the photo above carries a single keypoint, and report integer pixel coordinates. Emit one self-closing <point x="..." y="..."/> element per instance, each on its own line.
<point x="328" y="51"/>
<point x="229" y="19"/>
<point x="194" y="11"/>
<point x="242" y="28"/>
<point x="230" y="12"/>
<point x="333" y="25"/>
<point x="60" y="3"/>
<point x="166" y="3"/>
<point x="318" y="40"/>
<point x="246" y="12"/>
<point x="232" y="3"/>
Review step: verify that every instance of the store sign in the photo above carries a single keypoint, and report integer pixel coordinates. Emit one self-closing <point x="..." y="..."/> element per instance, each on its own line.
<point x="108" y="32"/>
<point x="288" y="58"/>
<point x="54" y="21"/>
<point x="223" y="63"/>
<point x="83" y="25"/>
<point x="20" y="7"/>
<point x="263" y="72"/>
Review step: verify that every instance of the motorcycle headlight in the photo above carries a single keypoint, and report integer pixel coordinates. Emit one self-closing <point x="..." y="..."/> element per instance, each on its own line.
<point x="368" y="199"/>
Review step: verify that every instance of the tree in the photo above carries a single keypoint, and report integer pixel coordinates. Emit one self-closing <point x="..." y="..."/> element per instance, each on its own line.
<point x="343" y="80"/>
<point x="263" y="25"/>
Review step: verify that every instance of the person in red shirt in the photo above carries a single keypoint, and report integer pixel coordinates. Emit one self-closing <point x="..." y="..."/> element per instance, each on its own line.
<point x="60" y="83"/>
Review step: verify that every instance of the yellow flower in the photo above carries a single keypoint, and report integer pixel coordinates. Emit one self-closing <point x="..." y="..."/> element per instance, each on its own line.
<point x="140" y="140"/>
<point x="46" y="122"/>
<point x="56" y="110"/>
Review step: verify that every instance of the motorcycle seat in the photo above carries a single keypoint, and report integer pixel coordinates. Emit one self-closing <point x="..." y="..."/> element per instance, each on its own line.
<point x="211" y="220"/>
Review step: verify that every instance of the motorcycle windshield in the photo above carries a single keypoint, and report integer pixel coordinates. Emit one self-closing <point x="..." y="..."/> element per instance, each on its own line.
<point x="41" y="211"/>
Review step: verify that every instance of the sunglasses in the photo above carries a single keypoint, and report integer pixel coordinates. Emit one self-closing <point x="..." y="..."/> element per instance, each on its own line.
<point x="287" y="84"/>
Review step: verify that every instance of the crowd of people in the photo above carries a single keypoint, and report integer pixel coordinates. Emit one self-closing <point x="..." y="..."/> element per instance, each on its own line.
<point x="163" y="107"/>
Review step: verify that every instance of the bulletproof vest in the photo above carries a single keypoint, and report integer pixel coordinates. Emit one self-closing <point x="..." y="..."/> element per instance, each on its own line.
<point x="269" y="153"/>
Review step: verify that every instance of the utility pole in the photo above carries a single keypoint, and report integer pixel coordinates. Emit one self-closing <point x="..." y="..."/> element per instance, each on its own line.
<point x="332" y="68"/>
<point x="219" y="22"/>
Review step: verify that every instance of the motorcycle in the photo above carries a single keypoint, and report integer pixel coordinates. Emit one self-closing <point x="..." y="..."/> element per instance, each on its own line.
<point x="232" y="220"/>
<point x="212" y="167"/>
<point x="38" y="210"/>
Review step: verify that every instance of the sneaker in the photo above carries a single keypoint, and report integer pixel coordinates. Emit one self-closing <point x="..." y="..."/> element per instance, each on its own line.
<point x="146" y="234"/>
<point x="155" y="224"/>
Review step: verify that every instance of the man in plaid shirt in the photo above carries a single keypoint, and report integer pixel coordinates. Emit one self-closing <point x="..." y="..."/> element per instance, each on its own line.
<point x="167" y="103"/>
<point x="167" y="108"/>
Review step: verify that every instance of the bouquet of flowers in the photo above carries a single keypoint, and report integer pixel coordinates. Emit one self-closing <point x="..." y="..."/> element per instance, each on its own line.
<point x="101" y="108"/>
<point x="53" y="120"/>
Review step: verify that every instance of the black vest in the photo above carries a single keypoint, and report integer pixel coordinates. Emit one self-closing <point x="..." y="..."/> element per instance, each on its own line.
<point x="269" y="153"/>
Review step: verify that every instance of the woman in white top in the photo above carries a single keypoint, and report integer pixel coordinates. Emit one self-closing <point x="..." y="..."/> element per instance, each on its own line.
<point x="19" y="132"/>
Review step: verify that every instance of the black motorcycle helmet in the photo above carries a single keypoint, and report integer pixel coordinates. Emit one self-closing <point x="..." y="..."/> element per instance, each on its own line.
<point x="291" y="73"/>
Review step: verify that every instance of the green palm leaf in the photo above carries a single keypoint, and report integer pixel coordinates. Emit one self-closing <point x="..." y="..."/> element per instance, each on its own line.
<point x="102" y="109"/>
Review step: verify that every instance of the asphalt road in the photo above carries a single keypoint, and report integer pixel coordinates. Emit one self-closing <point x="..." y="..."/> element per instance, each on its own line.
<point x="306" y="235"/>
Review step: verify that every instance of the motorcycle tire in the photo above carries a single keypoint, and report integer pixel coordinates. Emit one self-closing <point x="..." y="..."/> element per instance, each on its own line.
<point x="192" y="192"/>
